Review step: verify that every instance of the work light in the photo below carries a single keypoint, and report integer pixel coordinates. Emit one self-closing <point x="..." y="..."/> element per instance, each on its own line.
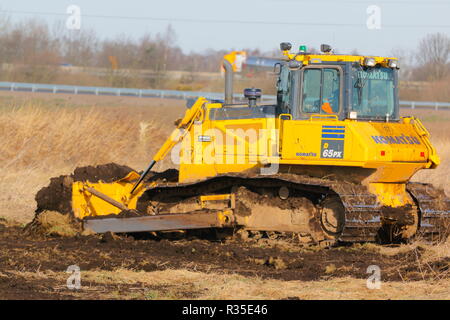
<point x="369" y="62"/>
<point x="285" y="46"/>
<point x="393" y="63"/>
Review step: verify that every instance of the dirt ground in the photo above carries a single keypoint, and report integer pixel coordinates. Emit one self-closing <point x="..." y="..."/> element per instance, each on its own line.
<point x="34" y="267"/>
<point x="119" y="267"/>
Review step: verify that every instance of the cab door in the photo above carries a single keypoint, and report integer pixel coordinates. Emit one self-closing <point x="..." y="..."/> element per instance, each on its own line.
<point x="320" y="91"/>
<point x="314" y="130"/>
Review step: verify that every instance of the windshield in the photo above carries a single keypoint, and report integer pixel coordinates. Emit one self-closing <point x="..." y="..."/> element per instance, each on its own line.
<point x="374" y="93"/>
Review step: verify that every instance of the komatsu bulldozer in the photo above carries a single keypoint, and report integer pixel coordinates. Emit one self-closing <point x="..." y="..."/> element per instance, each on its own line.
<point x="330" y="161"/>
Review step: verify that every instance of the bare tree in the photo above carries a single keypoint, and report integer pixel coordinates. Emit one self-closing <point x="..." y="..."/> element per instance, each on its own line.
<point x="78" y="47"/>
<point x="433" y="56"/>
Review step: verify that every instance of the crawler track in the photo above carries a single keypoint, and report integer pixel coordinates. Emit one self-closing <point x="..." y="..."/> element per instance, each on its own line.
<point x="365" y="219"/>
<point x="434" y="210"/>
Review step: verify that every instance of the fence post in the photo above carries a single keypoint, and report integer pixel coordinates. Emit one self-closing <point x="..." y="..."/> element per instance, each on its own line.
<point x="413" y="105"/>
<point x="436" y="106"/>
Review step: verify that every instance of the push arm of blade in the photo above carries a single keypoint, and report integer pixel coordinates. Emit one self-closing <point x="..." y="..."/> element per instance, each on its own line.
<point x="176" y="136"/>
<point x="104" y="197"/>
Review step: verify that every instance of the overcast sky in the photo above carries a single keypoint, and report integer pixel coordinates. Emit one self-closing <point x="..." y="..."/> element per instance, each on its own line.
<point x="263" y="24"/>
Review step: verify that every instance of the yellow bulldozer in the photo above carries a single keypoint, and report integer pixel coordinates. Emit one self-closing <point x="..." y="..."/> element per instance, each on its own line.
<point x="330" y="161"/>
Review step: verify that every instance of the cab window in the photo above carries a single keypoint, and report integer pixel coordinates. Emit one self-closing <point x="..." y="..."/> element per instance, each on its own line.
<point x="283" y="87"/>
<point x="321" y="90"/>
<point x="374" y="93"/>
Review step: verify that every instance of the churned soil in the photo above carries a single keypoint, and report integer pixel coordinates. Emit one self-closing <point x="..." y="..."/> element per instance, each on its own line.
<point x="263" y="258"/>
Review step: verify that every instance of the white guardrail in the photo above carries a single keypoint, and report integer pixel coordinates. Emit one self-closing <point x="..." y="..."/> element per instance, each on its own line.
<point x="167" y="94"/>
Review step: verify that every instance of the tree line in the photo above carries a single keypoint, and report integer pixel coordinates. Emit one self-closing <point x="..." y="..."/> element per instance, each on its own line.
<point x="35" y="43"/>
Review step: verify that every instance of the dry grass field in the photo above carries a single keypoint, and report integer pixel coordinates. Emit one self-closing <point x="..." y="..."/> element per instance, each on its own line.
<point x="46" y="135"/>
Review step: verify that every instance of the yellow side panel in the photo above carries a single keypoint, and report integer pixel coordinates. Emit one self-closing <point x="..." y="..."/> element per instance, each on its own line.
<point x="222" y="146"/>
<point x="399" y="141"/>
<point x="310" y="140"/>
<point x="395" y="150"/>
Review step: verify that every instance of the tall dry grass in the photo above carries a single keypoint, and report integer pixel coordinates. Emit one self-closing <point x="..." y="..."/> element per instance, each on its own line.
<point x="41" y="139"/>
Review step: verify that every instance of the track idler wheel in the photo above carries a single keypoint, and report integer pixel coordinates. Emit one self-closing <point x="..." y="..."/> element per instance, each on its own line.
<point x="331" y="220"/>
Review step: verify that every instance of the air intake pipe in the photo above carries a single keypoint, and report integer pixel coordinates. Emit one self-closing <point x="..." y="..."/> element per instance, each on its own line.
<point x="228" y="81"/>
<point x="252" y="94"/>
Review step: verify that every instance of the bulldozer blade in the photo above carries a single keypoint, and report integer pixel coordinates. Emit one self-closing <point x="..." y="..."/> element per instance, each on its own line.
<point x="101" y="198"/>
<point x="105" y="198"/>
<point x="163" y="222"/>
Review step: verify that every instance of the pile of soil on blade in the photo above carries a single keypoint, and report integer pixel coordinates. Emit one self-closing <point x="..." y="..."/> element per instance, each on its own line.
<point x="57" y="196"/>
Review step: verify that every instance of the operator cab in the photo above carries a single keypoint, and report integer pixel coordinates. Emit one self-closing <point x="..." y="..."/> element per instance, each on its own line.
<point x="342" y="86"/>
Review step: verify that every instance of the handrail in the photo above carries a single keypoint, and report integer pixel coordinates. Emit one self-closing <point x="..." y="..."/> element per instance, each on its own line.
<point x="425" y="135"/>
<point x="331" y="117"/>
<point x="288" y="115"/>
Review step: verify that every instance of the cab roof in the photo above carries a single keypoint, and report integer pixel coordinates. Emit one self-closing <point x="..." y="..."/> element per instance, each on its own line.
<point x="307" y="58"/>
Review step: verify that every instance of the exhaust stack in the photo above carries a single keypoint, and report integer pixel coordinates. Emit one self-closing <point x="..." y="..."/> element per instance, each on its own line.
<point x="228" y="81"/>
